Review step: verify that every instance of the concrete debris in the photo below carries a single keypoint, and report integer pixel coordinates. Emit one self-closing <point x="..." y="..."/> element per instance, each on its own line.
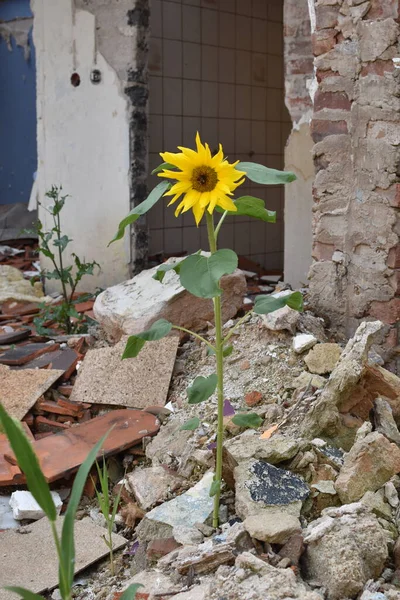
<point x="206" y="558"/>
<point x="7" y="520"/>
<point x="24" y="506"/>
<point x="132" y="306"/>
<point x="172" y="447"/>
<point x="370" y="463"/>
<point x="154" y="583"/>
<point x="152" y="485"/>
<point x="352" y="534"/>
<point x="303" y="342"/>
<point x="305" y="379"/>
<point x="273" y="527"/>
<point x="323" y="358"/>
<point x="282" y="319"/>
<point x="384" y="420"/>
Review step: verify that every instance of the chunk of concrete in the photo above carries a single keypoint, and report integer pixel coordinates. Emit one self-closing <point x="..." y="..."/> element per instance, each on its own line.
<point x="172" y="447"/>
<point x="356" y="537"/>
<point x="282" y="319"/>
<point x="371" y="462"/>
<point x="194" y="506"/>
<point x="273" y="527"/>
<point x="24" y="505"/>
<point x="302" y="342"/>
<point x="132" y="306"/>
<point x="384" y="420"/>
<point x="152" y="485"/>
<point x="7" y="520"/>
<point x="323" y="358"/>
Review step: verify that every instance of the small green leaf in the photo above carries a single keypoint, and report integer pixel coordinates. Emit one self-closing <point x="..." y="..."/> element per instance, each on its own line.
<point x="190" y="425"/>
<point x="131" y="591"/>
<point x="164" y="268"/>
<point x="200" y="275"/>
<point x="141" y="209"/>
<point x="247" y="420"/>
<point x="162" y="167"/>
<point x="135" y="343"/>
<point x="264" y="175"/>
<point x="202" y="388"/>
<point x="62" y="242"/>
<point x="215" y="487"/>
<point x="227" y="351"/>
<point x="267" y="304"/>
<point x="29" y="464"/>
<point x="25" y="594"/>
<point x="252" y="207"/>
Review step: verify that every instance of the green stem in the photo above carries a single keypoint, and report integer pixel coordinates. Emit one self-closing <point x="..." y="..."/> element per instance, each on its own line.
<point x="199" y="337"/>
<point x="220" y="378"/>
<point x="218" y="227"/>
<point x="64" y="288"/>
<point x="62" y="575"/>
<point x="232" y="331"/>
<point x="110" y="542"/>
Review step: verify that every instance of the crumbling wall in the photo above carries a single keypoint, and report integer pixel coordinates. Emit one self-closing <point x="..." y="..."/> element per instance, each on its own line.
<point x="299" y="75"/>
<point x="92" y="101"/>
<point x="356" y="131"/>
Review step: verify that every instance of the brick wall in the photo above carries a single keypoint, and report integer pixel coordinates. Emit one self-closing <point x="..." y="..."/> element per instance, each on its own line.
<point x="356" y="130"/>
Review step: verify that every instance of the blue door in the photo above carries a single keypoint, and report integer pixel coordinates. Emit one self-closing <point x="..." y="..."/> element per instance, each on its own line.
<point x="18" y="153"/>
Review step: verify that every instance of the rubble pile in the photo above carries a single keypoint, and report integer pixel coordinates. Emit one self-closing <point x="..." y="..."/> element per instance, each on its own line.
<point x="310" y="506"/>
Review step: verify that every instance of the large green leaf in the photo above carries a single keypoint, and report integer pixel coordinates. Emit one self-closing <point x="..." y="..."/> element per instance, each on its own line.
<point x="135" y="343"/>
<point x="29" y="464"/>
<point x="67" y="559"/>
<point x="25" y="594"/>
<point x="267" y="304"/>
<point x="200" y="275"/>
<point x="202" y="388"/>
<point x="164" y="268"/>
<point x="265" y="175"/>
<point x="131" y="591"/>
<point x="190" y="425"/>
<point x="252" y="207"/>
<point x="162" y="167"/>
<point x="247" y="420"/>
<point x="141" y="209"/>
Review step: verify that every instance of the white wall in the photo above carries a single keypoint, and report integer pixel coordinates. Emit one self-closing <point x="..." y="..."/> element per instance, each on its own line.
<point x="83" y="137"/>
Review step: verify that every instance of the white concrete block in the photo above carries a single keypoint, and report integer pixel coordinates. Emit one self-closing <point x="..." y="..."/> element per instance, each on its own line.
<point x="24" y="505"/>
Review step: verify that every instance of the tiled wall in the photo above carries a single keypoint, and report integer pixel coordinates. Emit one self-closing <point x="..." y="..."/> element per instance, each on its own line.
<point x="216" y="66"/>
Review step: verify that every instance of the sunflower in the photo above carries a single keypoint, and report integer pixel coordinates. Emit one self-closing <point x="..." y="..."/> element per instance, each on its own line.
<point x="206" y="181"/>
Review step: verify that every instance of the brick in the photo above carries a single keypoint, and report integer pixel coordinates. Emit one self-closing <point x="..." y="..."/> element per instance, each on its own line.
<point x="383" y="9"/>
<point x="320" y="129"/>
<point x="387" y="312"/>
<point x="161" y="547"/>
<point x="377" y="67"/>
<point x="323" y="41"/>
<point x="323" y="251"/>
<point x="326" y="16"/>
<point x="44" y="425"/>
<point x="299" y="66"/>
<point x="253" y="398"/>
<point x="393" y="259"/>
<point x="338" y="100"/>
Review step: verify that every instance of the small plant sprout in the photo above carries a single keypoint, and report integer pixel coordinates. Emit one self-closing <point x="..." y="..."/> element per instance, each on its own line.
<point x="205" y="184"/>
<point x="103" y="498"/>
<point x="53" y="245"/>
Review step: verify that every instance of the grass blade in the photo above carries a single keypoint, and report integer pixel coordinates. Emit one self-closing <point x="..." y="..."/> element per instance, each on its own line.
<point x="131" y="591"/>
<point x="25" y="594"/>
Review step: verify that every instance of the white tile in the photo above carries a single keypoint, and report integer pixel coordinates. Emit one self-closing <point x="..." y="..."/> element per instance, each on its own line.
<point x="274" y="142"/>
<point x="172" y="58"/>
<point x="172" y="96"/>
<point x="260" y="8"/>
<point x="172" y="20"/>
<point x="243" y="7"/>
<point x="259" y="103"/>
<point x="226" y="100"/>
<point x="259" y="35"/>
<point x="209" y="27"/>
<point x="243" y="136"/>
<point x="259" y="70"/>
<point x="192" y="2"/>
<point x="209" y="132"/>
<point x="191" y="237"/>
<point x="227" y="6"/>
<point x="226" y="129"/>
<point x="275" y="101"/>
<point x="257" y="237"/>
<point x="258" y="137"/>
<point x="191" y="23"/>
<point x="156" y="142"/>
<point x="191" y="60"/>
<point x="191" y="98"/>
<point x="155" y="56"/>
<point x="210" y="4"/>
<point x="209" y="99"/>
<point x="242" y="238"/>
<point x="275" y="10"/>
<point x="227" y="30"/>
<point x="274" y="39"/>
<point x="156" y="18"/>
<point x="156" y="240"/>
<point x="172" y="133"/>
<point x="243" y="33"/>
<point x="243" y="102"/>
<point x="209" y="63"/>
<point x="275" y="71"/>
<point x="156" y="95"/>
<point x="173" y="240"/>
<point x="243" y="67"/>
<point x="225" y="238"/>
<point x="227" y="66"/>
<point x="191" y="125"/>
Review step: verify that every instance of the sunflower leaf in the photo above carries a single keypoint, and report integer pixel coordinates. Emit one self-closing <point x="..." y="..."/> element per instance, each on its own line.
<point x="200" y="275"/>
<point x="267" y="304"/>
<point x="265" y="175"/>
<point x="252" y="420"/>
<point x="252" y="207"/>
<point x="202" y="388"/>
<point x="164" y="268"/>
<point x="135" y="343"/>
<point x="141" y="209"/>
<point x="162" y="167"/>
<point x="190" y="425"/>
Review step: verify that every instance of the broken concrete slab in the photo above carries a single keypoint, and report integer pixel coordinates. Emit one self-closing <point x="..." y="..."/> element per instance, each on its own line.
<point x="282" y="319"/>
<point x="384" y="420"/>
<point x="155" y="585"/>
<point x="30" y="560"/>
<point x="20" y="389"/>
<point x="194" y="506"/>
<point x="152" y="485"/>
<point x="7" y="520"/>
<point x="172" y="447"/>
<point x="61" y="454"/>
<point x="133" y="382"/>
<point x="261" y="486"/>
<point x="302" y="342"/>
<point x="272" y="527"/>
<point x="323" y="358"/>
<point x="24" y="505"/>
<point x="132" y="306"/>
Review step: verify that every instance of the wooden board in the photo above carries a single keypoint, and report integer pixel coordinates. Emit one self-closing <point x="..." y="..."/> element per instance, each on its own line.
<point x="61" y="454"/>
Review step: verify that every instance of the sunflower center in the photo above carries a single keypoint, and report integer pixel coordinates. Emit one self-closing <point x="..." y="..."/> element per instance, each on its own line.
<point x="204" y="179"/>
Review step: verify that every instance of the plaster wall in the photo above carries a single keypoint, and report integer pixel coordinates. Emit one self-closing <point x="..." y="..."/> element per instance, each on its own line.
<point x="83" y="132"/>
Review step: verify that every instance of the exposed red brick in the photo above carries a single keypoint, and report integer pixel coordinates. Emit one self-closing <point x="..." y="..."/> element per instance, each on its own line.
<point x="161" y="547"/>
<point x="299" y="66"/>
<point x="331" y="100"/>
<point x="392" y="339"/>
<point x="383" y="9"/>
<point x="388" y="312"/>
<point x="323" y="41"/>
<point x="393" y="259"/>
<point x="321" y="75"/>
<point x="320" y="129"/>
<point x="253" y="398"/>
<point x="377" y="67"/>
<point x="323" y="251"/>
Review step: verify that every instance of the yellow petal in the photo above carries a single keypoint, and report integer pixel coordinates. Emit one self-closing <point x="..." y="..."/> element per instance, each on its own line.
<point x="191" y="198"/>
<point x="226" y="203"/>
<point x="178" y="209"/>
<point x="198" y="212"/>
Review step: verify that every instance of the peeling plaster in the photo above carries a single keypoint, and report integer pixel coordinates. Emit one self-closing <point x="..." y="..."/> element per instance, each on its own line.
<point x="18" y="30"/>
